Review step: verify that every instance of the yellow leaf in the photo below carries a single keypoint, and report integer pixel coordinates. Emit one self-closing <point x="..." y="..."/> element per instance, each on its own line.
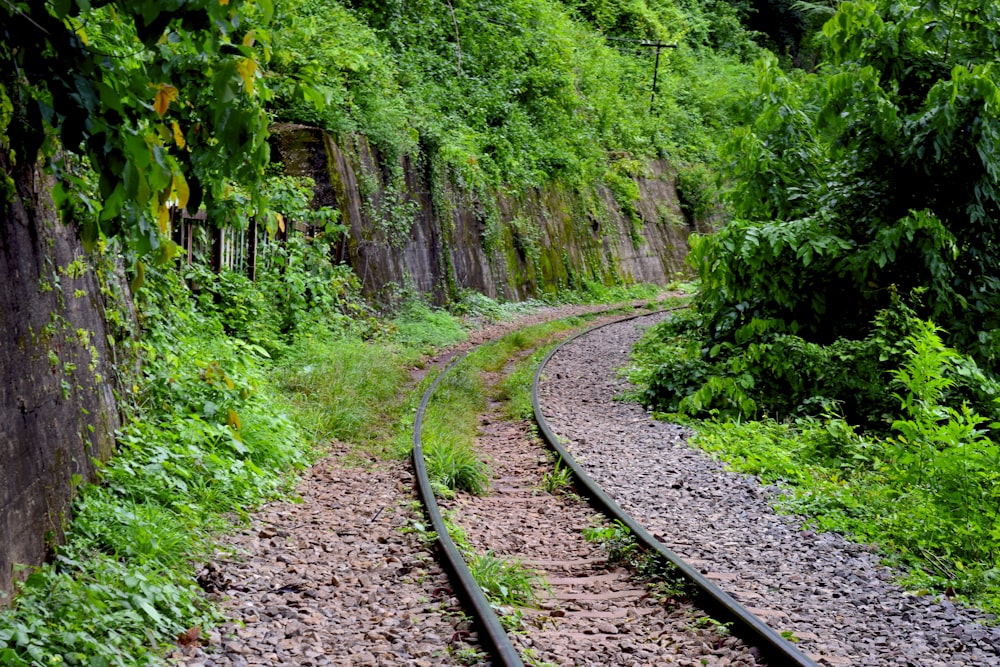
<point x="165" y="94"/>
<point x="178" y="135"/>
<point x="247" y="68"/>
<point x="181" y="190"/>
<point x="250" y="38"/>
<point x="163" y="218"/>
<point x="139" y="278"/>
<point x="166" y="252"/>
<point x="223" y="2"/>
<point x="281" y="222"/>
<point x="233" y="419"/>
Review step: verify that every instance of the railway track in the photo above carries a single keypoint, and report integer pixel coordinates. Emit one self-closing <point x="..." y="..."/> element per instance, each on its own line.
<point x="590" y="611"/>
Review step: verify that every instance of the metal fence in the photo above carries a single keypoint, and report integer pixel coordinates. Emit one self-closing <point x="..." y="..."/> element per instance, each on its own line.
<point x="225" y="247"/>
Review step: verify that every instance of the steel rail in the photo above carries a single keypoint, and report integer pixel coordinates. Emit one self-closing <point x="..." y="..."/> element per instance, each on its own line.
<point x="777" y="650"/>
<point x="504" y="653"/>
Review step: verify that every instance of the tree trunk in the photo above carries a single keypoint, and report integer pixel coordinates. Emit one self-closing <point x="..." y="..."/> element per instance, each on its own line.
<point x="57" y="407"/>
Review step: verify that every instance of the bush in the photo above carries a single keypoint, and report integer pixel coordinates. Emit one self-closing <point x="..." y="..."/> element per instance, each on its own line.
<point x="768" y="371"/>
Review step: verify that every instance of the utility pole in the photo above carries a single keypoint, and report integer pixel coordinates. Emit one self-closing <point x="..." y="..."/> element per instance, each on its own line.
<point x="656" y="66"/>
<point x="659" y="46"/>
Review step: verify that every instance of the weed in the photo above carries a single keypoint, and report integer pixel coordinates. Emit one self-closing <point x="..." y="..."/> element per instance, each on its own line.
<point x="616" y="539"/>
<point x="511" y="618"/>
<point x="661" y="576"/>
<point x="709" y="623"/>
<point x="504" y="582"/>
<point x="207" y="441"/>
<point x="419" y="529"/>
<point x="557" y="480"/>
<point x="456" y="468"/>
<point x="530" y="658"/>
<point x="467" y="655"/>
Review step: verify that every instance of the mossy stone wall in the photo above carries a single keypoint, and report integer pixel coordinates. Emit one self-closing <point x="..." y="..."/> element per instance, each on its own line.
<point x="409" y="229"/>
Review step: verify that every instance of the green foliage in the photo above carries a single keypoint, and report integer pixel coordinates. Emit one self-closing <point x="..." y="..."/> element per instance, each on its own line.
<point x="244" y="310"/>
<point x="449" y="432"/>
<point x="879" y="170"/>
<point x="926" y="492"/>
<point x="769" y="370"/>
<point x="558" y="479"/>
<point x="207" y="440"/>
<point x="476" y="305"/>
<point x="616" y="539"/>
<point x="504" y="582"/>
<point x="162" y="101"/>
<point x="359" y="90"/>
<point x="98" y="611"/>
<point x="514" y="389"/>
<point x="290" y="198"/>
<point x="696" y="192"/>
<point x="306" y="291"/>
<point x="419" y="324"/>
<point x="623" y="549"/>
<point x="346" y="389"/>
<point x="558" y="101"/>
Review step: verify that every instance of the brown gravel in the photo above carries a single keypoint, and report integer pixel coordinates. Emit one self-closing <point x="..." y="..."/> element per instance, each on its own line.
<point x="592" y="613"/>
<point x="334" y="578"/>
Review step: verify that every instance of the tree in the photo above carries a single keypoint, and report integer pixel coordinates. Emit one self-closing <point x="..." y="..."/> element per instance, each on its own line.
<point x="878" y="174"/>
<point x="161" y="98"/>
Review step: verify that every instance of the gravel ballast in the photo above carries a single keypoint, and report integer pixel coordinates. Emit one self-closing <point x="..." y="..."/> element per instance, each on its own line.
<point x="338" y="576"/>
<point x="335" y="578"/>
<point x="835" y="596"/>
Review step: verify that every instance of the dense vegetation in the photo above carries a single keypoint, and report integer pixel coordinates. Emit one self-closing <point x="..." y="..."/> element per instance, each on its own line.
<point x="850" y="307"/>
<point x="853" y="298"/>
<point x="134" y="107"/>
<point x="518" y="93"/>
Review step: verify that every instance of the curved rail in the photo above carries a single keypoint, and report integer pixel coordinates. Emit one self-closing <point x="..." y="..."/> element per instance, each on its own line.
<point x="775" y="648"/>
<point x="465" y="585"/>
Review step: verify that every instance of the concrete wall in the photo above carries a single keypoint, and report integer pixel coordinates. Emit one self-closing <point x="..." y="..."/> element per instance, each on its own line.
<point x="57" y="409"/>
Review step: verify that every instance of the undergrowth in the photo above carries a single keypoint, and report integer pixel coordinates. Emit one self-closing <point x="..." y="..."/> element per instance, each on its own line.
<point x="921" y="482"/>
<point x="208" y="440"/>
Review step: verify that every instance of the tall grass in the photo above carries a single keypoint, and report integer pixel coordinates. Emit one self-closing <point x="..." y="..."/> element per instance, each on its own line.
<point x="348" y="390"/>
<point x="449" y="431"/>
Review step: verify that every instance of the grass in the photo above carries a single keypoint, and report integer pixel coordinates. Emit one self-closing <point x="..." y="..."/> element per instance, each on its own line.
<point x="504" y="582"/>
<point x="349" y="390"/>
<point x="558" y="479"/>
<point x="420" y="326"/>
<point x="449" y="432"/>
<point x="660" y="575"/>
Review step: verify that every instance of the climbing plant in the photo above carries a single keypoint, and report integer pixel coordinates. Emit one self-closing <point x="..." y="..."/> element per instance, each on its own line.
<point x="162" y="100"/>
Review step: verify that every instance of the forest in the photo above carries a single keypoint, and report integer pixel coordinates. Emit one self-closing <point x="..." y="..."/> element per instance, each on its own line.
<point x="843" y="340"/>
